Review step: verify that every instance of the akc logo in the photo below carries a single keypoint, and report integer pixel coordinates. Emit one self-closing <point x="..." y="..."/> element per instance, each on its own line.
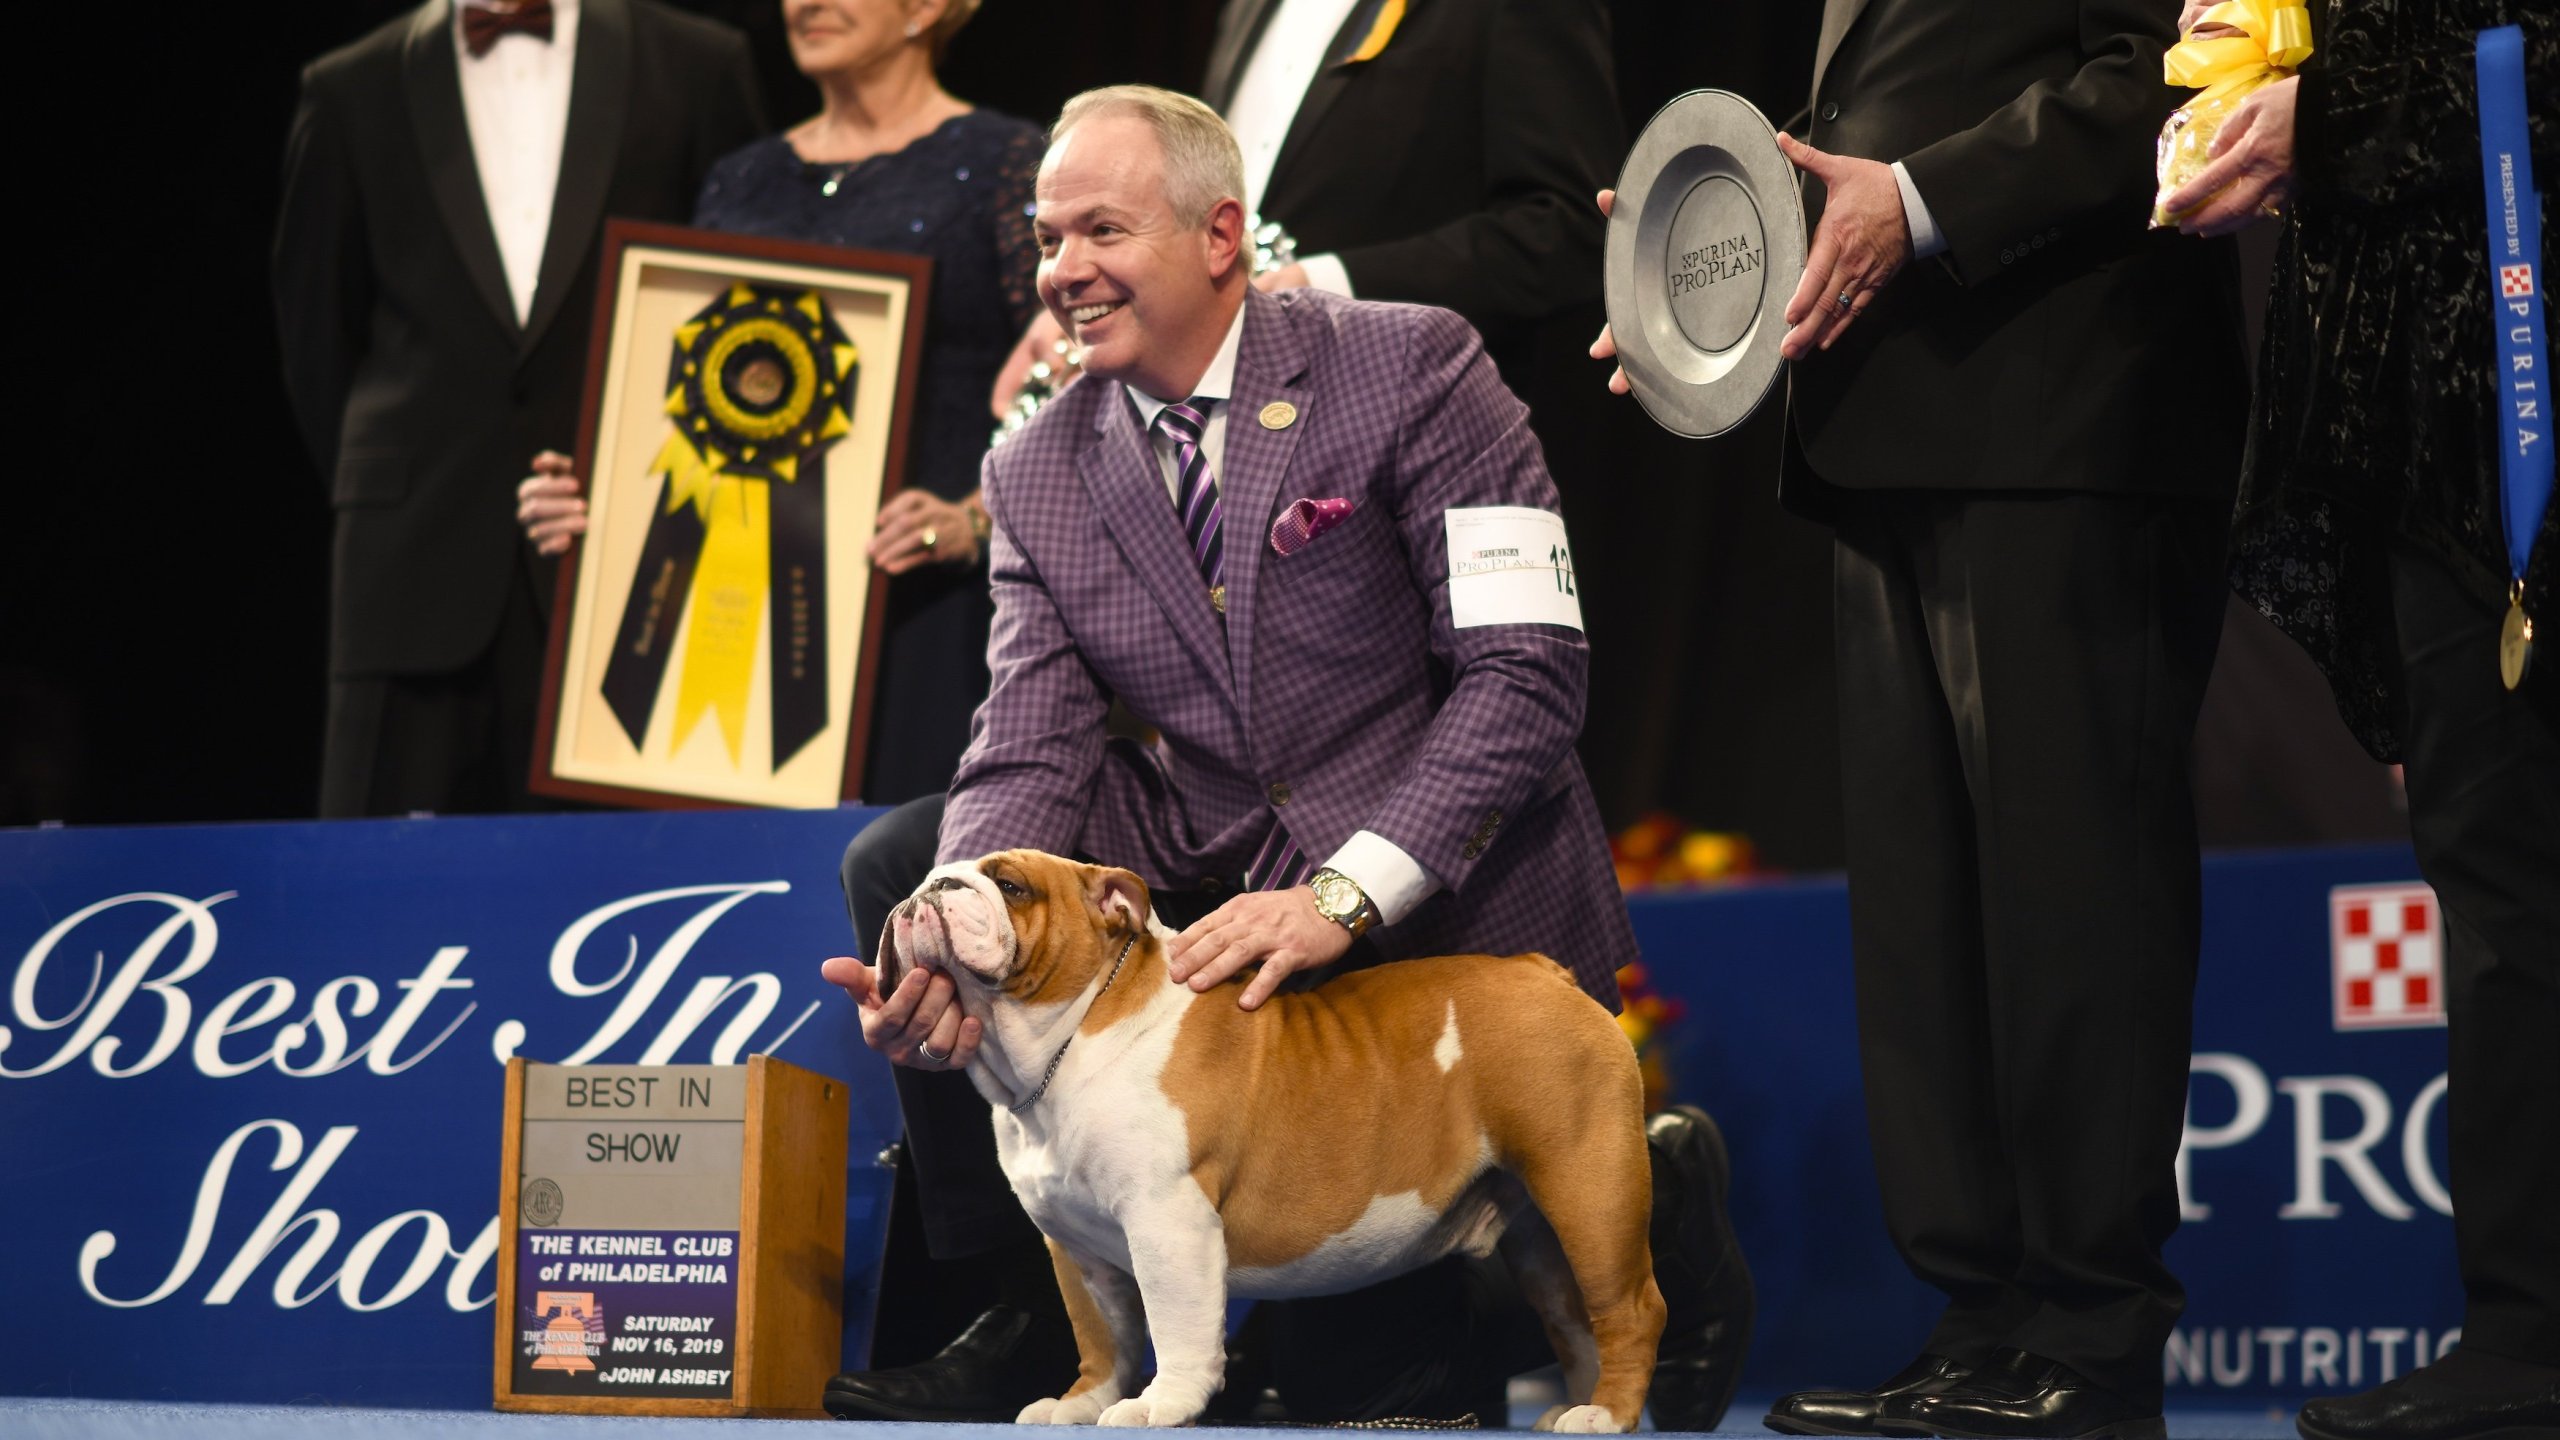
<point x="2386" y="957"/>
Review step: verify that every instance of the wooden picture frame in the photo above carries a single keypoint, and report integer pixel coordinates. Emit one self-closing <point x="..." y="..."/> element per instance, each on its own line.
<point x="747" y="412"/>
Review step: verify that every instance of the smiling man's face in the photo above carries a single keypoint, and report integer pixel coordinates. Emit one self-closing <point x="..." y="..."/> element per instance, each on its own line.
<point x="1137" y="288"/>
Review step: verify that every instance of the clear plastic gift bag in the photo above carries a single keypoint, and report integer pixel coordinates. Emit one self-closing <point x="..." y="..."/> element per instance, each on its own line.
<point x="2236" y="48"/>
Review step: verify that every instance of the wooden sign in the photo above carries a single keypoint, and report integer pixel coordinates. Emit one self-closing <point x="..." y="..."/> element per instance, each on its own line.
<point x="671" y="1239"/>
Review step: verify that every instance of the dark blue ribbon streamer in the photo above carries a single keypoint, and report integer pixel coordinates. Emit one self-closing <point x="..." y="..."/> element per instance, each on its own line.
<point x="2521" y="378"/>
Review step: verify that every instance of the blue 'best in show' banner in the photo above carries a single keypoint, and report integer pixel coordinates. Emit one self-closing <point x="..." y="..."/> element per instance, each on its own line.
<point x="252" y="1091"/>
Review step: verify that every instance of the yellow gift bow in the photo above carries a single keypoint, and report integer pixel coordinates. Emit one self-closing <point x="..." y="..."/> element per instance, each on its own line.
<point x="2274" y="39"/>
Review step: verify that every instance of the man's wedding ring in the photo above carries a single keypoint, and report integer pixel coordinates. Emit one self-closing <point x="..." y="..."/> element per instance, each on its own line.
<point x="1846" y="296"/>
<point x="929" y="539"/>
<point x="922" y="1048"/>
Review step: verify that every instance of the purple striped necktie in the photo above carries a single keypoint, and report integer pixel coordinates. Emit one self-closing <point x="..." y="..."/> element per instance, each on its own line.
<point x="1278" y="865"/>
<point x="1195" y="491"/>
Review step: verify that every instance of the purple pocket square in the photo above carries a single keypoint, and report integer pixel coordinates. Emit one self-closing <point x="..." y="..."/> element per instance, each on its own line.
<point x="1304" y="520"/>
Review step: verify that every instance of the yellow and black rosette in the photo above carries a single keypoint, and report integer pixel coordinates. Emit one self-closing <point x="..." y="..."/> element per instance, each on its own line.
<point x="760" y="386"/>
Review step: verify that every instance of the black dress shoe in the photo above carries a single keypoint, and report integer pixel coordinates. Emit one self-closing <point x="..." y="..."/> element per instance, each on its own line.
<point x="1007" y="1358"/>
<point x="1858" y="1412"/>
<point x="2016" y="1394"/>
<point x="1706" y="1287"/>
<point x="2468" y="1395"/>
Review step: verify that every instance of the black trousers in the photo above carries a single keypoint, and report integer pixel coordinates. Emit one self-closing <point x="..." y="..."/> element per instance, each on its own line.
<point x="456" y="744"/>
<point x="2019" y="680"/>
<point x="2483" y="770"/>
<point x="1431" y="1344"/>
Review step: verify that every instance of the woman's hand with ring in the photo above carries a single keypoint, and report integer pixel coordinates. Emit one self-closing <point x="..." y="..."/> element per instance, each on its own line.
<point x="2250" y="177"/>
<point x="918" y="528"/>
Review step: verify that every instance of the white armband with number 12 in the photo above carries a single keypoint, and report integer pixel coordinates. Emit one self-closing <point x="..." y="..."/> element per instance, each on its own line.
<point x="1510" y="565"/>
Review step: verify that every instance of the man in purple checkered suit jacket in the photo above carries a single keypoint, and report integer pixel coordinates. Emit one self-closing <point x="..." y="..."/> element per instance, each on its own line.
<point x="1239" y="525"/>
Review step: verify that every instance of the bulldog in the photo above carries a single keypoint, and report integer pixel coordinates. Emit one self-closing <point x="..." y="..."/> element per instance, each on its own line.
<point x="1177" y="1150"/>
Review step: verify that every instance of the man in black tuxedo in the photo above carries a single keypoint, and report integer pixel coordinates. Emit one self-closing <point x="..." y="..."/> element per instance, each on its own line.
<point x="1996" y="406"/>
<point x="446" y="185"/>
<point x="1440" y="153"/>
<point x="2020" y="413"/>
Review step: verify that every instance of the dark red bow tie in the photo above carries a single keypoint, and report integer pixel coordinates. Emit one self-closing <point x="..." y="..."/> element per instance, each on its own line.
<point x="485" y="23"/>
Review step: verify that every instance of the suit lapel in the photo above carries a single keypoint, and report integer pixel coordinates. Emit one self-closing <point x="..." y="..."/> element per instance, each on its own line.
<point x="1120" y="473"/>
<point x="1837" y="17"/>
<point x="1240" y="25"/>
<point x="433" y="79"/>
<point x="599" y="98"/>
<point x="1257" y="463"/>
<point x="1328" y="86"/>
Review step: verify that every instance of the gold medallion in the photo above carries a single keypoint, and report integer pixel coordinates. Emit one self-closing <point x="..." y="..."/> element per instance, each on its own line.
<point x="1218" y="602"/>
<point x="2515" y="645"/>
<point x="1279" y="415"/>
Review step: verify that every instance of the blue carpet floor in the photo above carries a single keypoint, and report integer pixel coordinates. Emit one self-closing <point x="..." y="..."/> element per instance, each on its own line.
<point x="50" y="1419"/>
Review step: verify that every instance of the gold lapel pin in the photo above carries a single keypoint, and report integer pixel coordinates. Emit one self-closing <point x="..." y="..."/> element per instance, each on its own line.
<point x="1279" y="415"/>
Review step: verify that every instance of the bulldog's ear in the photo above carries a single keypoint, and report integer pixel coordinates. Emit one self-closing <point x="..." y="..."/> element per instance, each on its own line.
<point x="1120" y="896"/>
<point x="886" y="957"/>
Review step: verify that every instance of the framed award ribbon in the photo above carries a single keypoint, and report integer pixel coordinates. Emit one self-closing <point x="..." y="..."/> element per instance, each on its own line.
<point x="746" y="414"/>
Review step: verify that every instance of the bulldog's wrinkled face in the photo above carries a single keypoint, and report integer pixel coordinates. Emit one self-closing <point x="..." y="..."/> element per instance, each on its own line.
<point x="1037" y="928"/>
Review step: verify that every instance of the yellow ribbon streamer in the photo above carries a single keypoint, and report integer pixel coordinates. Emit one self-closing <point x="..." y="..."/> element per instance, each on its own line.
<point x="724" y="611"/>
<point x="724" y="617"/>
<point x="2274" y="40"/>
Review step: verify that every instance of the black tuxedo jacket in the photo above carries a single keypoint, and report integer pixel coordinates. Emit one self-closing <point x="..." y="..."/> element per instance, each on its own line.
<point x="2055" y="343"/>
<point x="1456" y="167"/>
<point x="420" y="397"/>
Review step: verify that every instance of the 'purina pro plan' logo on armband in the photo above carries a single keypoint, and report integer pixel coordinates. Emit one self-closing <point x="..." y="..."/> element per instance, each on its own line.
<point x="2386" y="957"/>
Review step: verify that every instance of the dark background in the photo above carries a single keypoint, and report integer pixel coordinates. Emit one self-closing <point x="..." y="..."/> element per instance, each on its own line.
<point x="163" y="599"/>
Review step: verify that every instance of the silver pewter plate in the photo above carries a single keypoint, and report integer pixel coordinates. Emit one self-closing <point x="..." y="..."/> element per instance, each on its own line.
<point x="1706" y="242"/>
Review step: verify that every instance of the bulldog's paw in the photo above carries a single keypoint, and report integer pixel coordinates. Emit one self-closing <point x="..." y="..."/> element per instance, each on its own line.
<point x="1581" y="1420"/>
<point x="1135" y="1411"/>
<point x="1155" y="1408"/>
<point x="1065" y="1410"/>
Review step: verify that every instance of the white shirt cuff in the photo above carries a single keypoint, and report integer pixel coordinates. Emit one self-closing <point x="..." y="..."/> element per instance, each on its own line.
<point x="1325" y="272"/>
<point x="1925" y="239"/>
<point x="1394" y="881"/>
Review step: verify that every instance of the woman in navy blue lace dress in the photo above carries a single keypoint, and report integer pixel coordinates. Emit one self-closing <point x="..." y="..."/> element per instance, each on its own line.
<point x="894" y="162"/>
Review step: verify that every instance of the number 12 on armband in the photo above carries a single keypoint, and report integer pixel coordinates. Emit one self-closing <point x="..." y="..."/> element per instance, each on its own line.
<point x="1561" y="559"/>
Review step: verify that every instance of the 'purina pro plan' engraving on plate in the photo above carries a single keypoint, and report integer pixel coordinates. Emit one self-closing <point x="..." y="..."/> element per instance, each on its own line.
<point x="627" y="1261"/>
<point x="1717" y="265"/>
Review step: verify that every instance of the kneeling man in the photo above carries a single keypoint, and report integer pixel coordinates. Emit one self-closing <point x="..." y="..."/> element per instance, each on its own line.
<point x="1309" y="544"/>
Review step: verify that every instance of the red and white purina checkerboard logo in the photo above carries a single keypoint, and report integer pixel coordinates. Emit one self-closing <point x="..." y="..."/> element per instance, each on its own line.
<point x="2386" y="957"/>
<point x="2515" y="280"/>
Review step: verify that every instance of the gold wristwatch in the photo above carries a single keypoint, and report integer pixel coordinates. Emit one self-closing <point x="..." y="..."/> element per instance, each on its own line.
<point x="1340" y="899"/>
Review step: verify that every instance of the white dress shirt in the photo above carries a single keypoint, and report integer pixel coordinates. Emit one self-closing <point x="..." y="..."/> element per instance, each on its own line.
<point x="1284" y="62"/>
<point x="1925" y="239"/>
<point x="1393" y="880"/>
<point x="515" y="101"/>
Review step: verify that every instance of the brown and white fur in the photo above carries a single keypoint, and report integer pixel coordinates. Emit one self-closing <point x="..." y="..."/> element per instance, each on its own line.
<point x="1185" y="1149"/>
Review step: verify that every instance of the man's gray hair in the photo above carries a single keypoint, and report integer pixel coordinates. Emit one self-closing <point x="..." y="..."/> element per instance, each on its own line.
<point x="1201" y="163"/>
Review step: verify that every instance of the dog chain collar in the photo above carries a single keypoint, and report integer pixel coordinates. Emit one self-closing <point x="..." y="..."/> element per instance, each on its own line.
<point x="1052" y="1072"/>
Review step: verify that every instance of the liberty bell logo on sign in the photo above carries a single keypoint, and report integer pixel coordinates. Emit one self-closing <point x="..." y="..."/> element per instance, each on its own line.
<point x="2386" y="957"/>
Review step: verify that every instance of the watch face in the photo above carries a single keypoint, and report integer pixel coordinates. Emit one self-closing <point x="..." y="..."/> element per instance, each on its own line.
<point x="1337" y="896"/>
